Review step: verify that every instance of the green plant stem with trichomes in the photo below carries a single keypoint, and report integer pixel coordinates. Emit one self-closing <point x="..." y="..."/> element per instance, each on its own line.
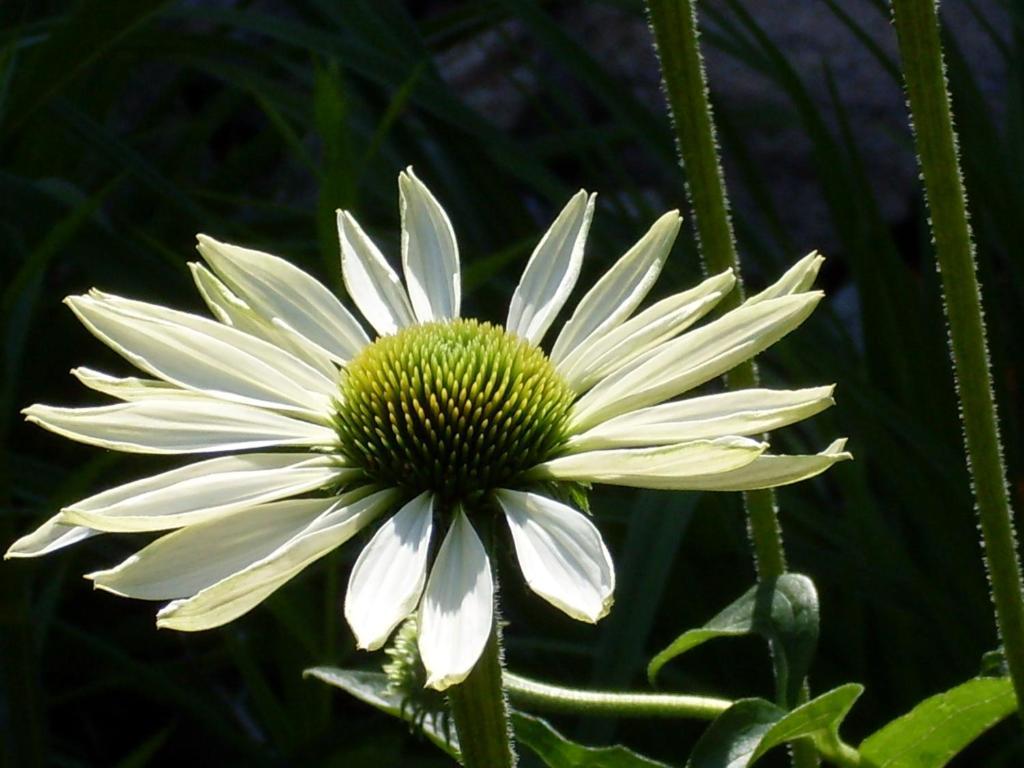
<point x="676" y="36"/>
<point x="527" y="693"/>
<point x="544" y="697"/>
<point x="480" y="710"/>
<point x="917" y="29"/>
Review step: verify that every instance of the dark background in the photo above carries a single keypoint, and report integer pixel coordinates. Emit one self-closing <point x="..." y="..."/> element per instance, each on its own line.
<point x="126" y="126"/>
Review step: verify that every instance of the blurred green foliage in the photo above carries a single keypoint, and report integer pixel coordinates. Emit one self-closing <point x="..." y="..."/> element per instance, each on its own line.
<point x="126" y="126"/>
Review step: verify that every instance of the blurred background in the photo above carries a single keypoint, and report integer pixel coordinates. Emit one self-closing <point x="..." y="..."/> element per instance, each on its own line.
<point x="126" y="126"/>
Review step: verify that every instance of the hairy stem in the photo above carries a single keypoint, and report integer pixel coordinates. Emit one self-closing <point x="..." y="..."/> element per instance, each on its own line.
<point x="480" y="710"/>
<point x="676" y="37"/>
<point x="528" y="693"/>
<point x="544" y="697"/>
<point x="917" y="29"/>
<point x="676" y="34"/>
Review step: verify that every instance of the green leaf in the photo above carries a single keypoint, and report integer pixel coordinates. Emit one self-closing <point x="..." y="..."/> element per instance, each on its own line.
<point x="934" y="731"/>
<point x="784" y="611"/>
<point x="749" y="728"/>
<point x="331" y="108"/>
<point x="558" y="752"/>
<point x="372" y="688"/>
<point x="553" y="748"/>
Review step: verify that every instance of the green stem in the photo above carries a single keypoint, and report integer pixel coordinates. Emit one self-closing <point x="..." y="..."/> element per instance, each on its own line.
<point x="528" y="693"/>
<point x="837" y="752"/>
<point x="480" y="710"/>
<point x="917" y="29"/>
<point x="676" y="36"/>
<point x="533" y="694"/>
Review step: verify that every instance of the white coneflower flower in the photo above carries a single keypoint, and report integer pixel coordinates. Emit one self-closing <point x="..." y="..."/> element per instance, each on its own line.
<point x="438" y="425"/>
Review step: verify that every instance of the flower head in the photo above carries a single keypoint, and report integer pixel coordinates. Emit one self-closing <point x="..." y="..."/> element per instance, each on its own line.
<point x="432" y="427"/>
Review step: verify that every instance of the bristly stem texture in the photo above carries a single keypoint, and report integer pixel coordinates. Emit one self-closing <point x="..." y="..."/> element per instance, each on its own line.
<point x="533" y="694"/>
<point x="917" y="28"/>
<point x="674" y="23"/>
<point x="676" y="38"/>
<point x="480" y="710"/>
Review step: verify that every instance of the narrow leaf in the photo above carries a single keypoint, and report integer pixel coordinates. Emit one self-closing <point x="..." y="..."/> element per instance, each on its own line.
<point x="373" y="689"/>
<point x="751" y="727"/>
<point x="558" y="752"/>
<point x="784" y="611"/>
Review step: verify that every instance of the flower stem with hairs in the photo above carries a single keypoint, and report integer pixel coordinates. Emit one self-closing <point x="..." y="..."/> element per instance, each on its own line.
<point x="917" y="29"/>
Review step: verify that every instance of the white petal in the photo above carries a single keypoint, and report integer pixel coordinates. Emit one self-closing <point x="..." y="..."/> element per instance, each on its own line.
<point x="430" y="253"/>
<point x="797" y="279"/>
<point x="745" y="412"/>
<point x="552" y="271"/>
<point x="231" y="310"/>
<point x="270" y="340"/>
<point x="771" y="471"/>
<point x="699" y="356"/>
<point x="561" y="554"/>
<point x="242" y="591"/>
<point x="204" y="491"/>
<point x="621" y="289"/>
<point x="130" y="387"/>
<point x="176" y="424"/>
<point x="603" y="354"/>
<point x="456" y="614"/>
<point x="203" y="355"/>
<point x="182" y="563"/>
<point x="387" y="579"/>
<point x="668" y="467"/>
<point x="48" y="537"/>
<point x="277" y="289"/>
<point x="370" y="280"/>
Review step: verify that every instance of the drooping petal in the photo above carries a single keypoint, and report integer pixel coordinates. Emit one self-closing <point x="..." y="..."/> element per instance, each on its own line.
<point x="277" y="289"/>
<point x="771" y="471"/>
<point x="456" y="614"/>
<point x="430" y="253"/>
<point x="744" y="412"/>
<point x="668" y="467"/>
<point x="796" y="279"/>
<point x="370" y="280"/>
<point x="561" y="554"/>
<point x="204" y="491"/>
<point x="182" y="563"/>
<point x="196" y="424"/>
<point x="203" y="355"/>
<point x="621" y="289"/>
<point x="231" y="310"/>
<point x="131" y="387"/>
<point x="551" y="273"/>
<point x="603" y="354"/>
<point x="242" y="591"/>
<point x="699" y="356"/>
<point x="387" y="579"/>
<point x="48" y="537"/>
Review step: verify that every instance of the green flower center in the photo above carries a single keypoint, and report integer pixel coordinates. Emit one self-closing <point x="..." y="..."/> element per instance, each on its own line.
<point x="457" y="408"/>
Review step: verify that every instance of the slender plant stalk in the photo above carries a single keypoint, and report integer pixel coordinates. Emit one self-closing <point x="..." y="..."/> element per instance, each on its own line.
<point x="533" y="694"/>
<point x="528" y="693"/>
<point x="917" y="29"/>
<point x="676" y="36"/>
<point x="480" y="710"/>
